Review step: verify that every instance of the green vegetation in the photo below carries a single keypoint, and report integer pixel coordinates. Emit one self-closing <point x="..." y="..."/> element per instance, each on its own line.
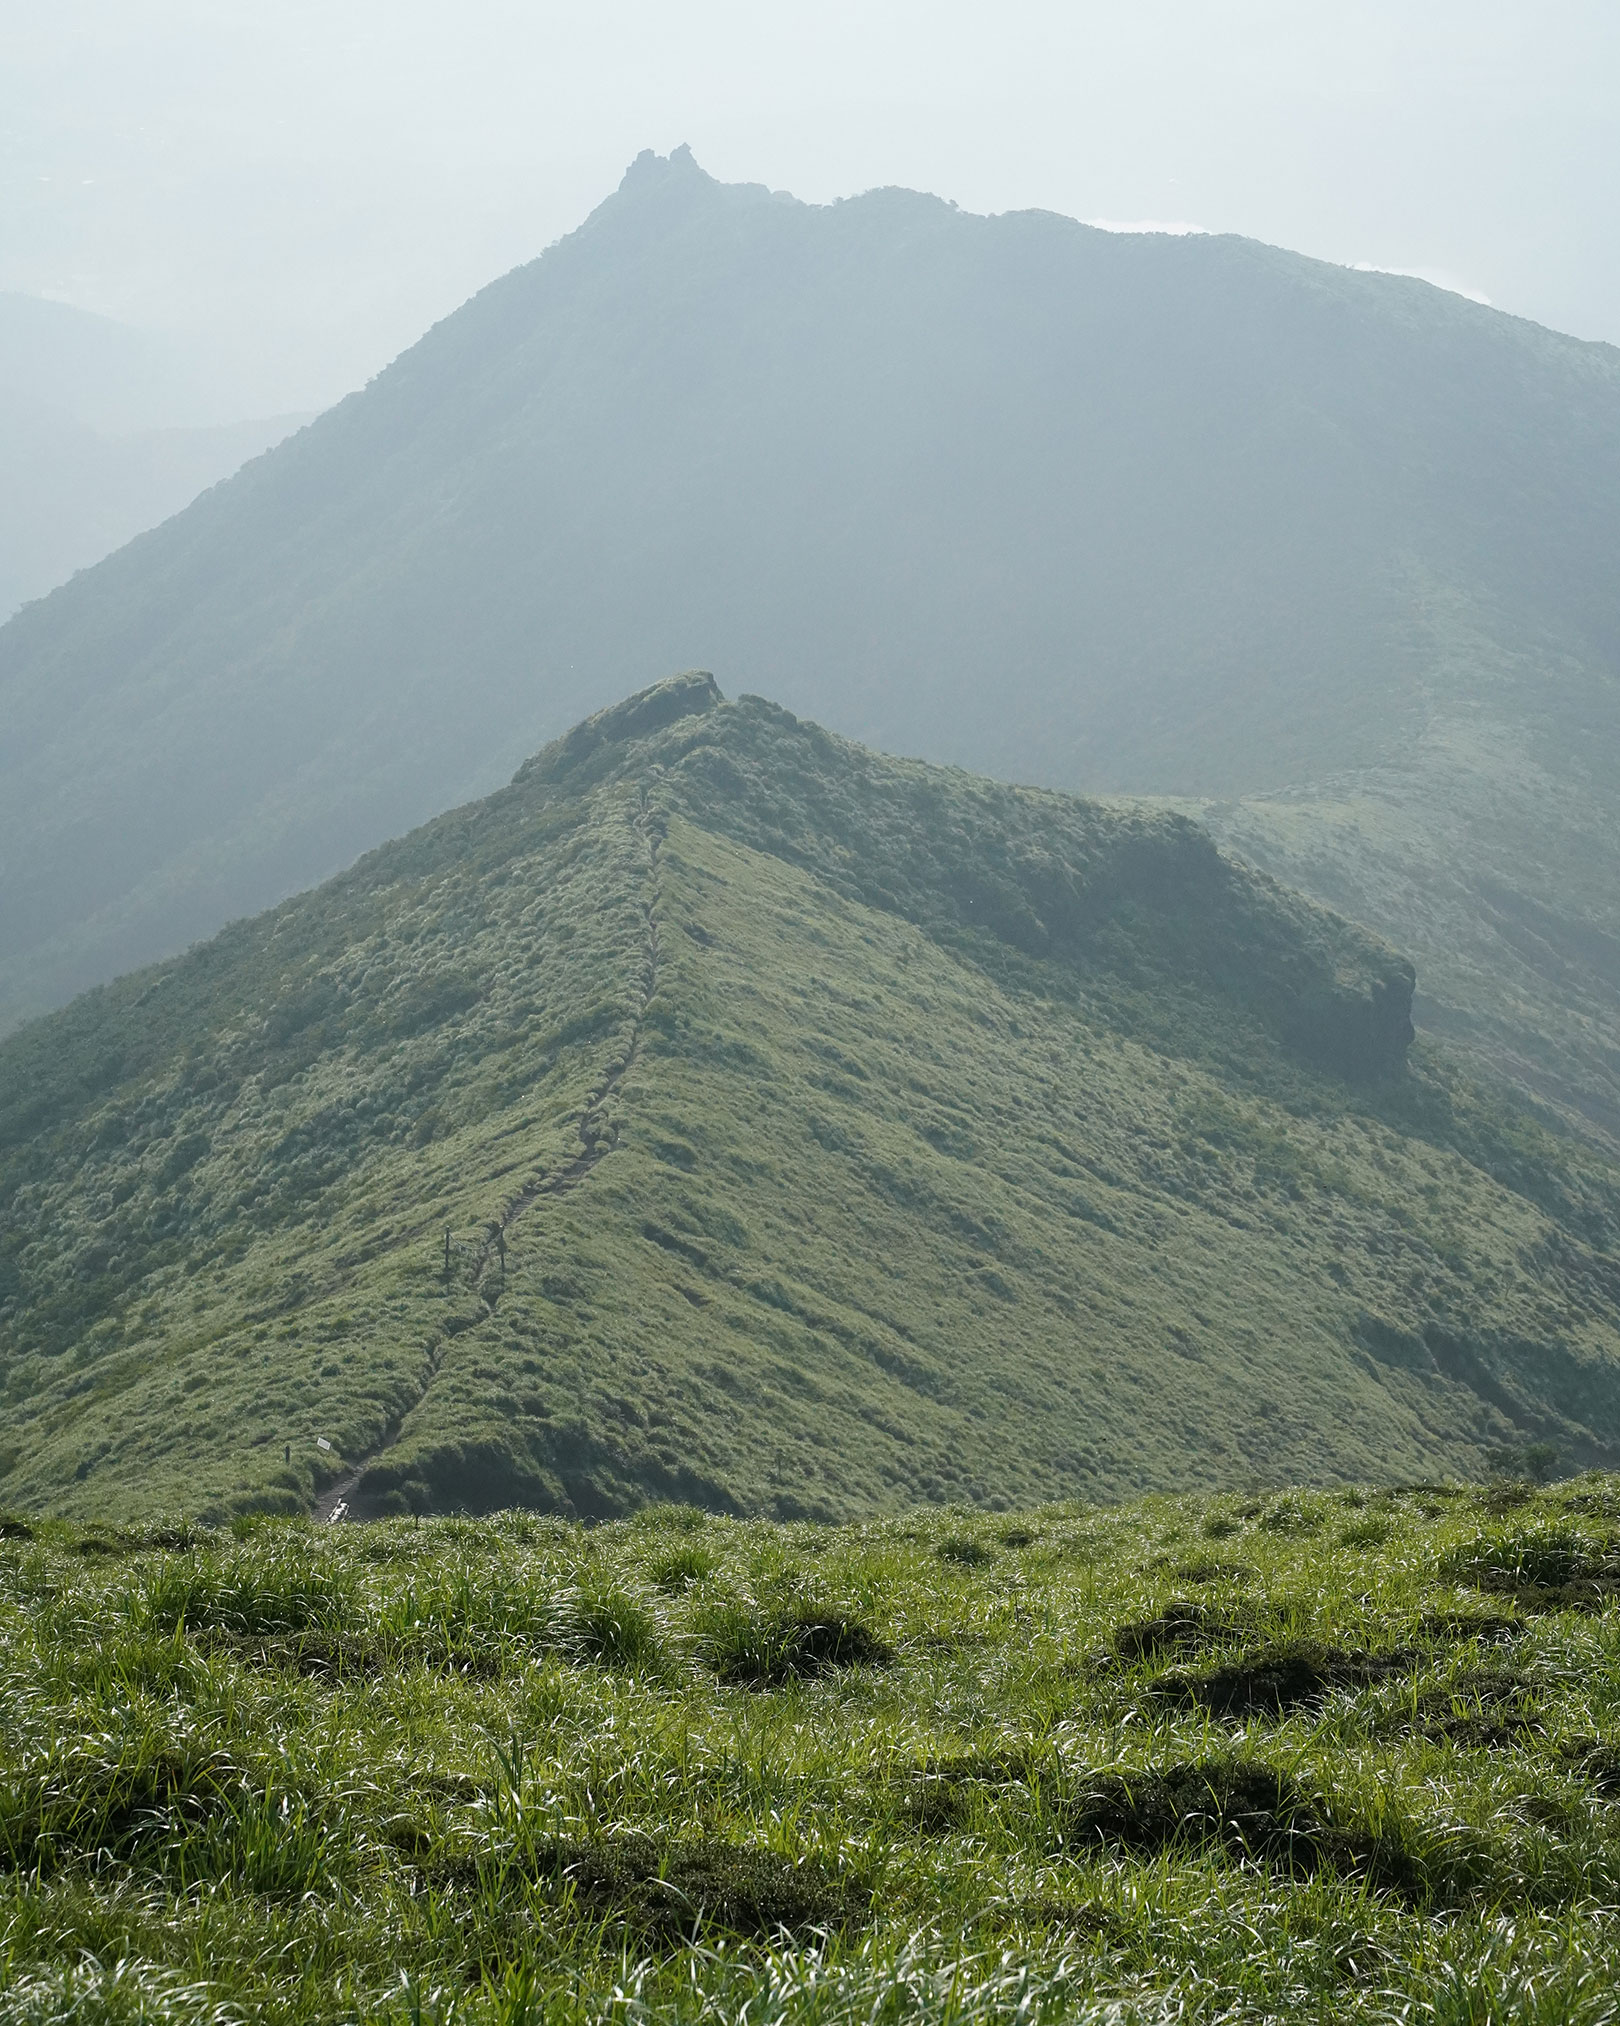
<point x="1486" y="845"/>
<point x="727" y="1114"/>
<point x="1348" y="1755"/>
<point x="1185" y="517"/>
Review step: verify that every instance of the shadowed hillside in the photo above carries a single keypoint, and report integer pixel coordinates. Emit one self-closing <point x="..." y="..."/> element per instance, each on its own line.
<point x="726" y="1112"/>
<point x="1183" y="516"/>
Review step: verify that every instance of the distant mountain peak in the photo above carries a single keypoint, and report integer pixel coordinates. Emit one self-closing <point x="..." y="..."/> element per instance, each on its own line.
<point x="1129" y="513"/>
<point x="651" y="170"/>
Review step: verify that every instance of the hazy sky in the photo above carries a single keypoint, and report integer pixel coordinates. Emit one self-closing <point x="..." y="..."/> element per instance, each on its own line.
<point x="307" y="184"/>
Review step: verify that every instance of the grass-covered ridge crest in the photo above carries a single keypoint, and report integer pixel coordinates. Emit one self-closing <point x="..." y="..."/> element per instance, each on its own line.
<point x="729" y="1115"/>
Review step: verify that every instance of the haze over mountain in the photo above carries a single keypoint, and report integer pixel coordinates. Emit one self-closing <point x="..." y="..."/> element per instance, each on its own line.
<point x="105" y="431"/>
<point x="109" y="376"/>
<point x="72" y="495"/>
<point x="724" y="1111"/>
<point x="1187" y="517"/>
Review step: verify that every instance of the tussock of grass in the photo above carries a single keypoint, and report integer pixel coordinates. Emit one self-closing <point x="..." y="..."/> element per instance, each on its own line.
<point x="278" y="1592"/>
<point x="1243" y="1807"/>
<point x="682" y="1566"/>
<point x="966" y="1550"/>
<point x="1179" y="1628"/>
<point x="1546" y="1568"/>
<point x="763" y="1648"/>
<point x="664" y="1891"/>
<point x="1277" y="1679"/>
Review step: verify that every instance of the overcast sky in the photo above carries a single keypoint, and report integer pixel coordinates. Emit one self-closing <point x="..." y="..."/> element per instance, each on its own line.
<point x="307" y="184"/>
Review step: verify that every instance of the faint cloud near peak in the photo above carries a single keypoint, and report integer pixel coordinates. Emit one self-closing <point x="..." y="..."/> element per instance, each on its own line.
<point x="1436" y="277"/>
<point x="1179" y="227"/>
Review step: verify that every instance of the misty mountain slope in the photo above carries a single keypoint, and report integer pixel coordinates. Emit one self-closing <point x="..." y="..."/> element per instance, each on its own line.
<point x="1183" y="516"/>
<point x="722" y="1111"/>
<point x="105" y="431"/>
<point x="1491" y="854"/>
<point x="72" y="494"/>
<point x="109" y="376"/>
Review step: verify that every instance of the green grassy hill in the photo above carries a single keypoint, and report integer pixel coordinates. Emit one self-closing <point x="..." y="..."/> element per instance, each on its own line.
<point x="1347" y="1756"/>
<point x="1187" y="517"/>
<point x="724" y="1112"/>
<point x="1486" y="844"/>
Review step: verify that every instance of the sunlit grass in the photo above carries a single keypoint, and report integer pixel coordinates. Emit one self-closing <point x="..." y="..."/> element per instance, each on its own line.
<point x="1063" y="1764"/>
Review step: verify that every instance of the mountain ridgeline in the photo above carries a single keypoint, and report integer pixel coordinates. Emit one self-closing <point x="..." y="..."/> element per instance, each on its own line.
<point x="1327" y="555"/>
<point x="725" y="1112"/>
<point x="104" y="431"/>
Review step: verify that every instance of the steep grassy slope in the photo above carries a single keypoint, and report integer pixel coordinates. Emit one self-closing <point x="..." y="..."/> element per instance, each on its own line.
<point x="1180" y="516"/>
<point x="1348" y="1757"/>
<point x="1489" y="845"/>
<point x="728" y="1113"/>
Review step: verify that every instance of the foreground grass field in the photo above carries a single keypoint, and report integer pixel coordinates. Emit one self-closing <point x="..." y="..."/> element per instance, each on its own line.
<point x="1348" y="1755"/>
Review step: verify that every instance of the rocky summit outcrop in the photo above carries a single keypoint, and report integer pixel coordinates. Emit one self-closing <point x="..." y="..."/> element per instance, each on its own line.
<point x="638" y="717"/>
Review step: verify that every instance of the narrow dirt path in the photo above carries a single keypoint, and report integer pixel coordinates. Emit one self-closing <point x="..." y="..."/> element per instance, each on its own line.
<point x="333" y="1503"/>
<point x="597" y="1137"/>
